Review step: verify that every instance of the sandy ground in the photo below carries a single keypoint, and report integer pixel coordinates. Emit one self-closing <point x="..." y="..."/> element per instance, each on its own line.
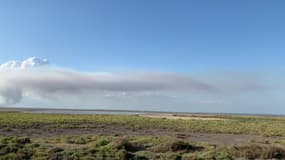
<point x="171" y="116"/>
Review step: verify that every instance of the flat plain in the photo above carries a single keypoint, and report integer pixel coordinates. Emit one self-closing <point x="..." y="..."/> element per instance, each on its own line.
<point x="27" y="135"/>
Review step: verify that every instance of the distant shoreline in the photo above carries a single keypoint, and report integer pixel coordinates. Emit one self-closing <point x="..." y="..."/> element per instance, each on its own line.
<point x="121" y="112"/>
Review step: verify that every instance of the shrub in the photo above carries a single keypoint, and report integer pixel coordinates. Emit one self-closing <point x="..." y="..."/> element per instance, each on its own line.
<point x="55" y="156"/>
<point x="4" y="150"/>
<point x="210" y="155"/>
<point x="102" y="142"/>
<point x="176" y="146"/>
<point x="11" y="156"/>
<point x="23" y="141"/>
<point x="55" y="150"/>
<point x="258" y="152"/>
<point x="125" y="144"/>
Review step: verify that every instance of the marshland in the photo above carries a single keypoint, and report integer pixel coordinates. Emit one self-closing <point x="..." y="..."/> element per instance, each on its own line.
<point x="28" y="135"/>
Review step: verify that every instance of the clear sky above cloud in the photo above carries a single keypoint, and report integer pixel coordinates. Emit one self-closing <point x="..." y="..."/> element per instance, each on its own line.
<point x="233" y="47"/>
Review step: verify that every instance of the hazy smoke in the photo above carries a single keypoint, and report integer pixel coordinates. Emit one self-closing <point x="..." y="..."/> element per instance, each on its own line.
<point x="27" y="78"/>
<point x="10" y="96"/>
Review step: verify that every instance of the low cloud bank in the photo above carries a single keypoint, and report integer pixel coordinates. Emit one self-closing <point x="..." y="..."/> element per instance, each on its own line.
<point x="18" y="81"/>
<point x="35" y="78"/>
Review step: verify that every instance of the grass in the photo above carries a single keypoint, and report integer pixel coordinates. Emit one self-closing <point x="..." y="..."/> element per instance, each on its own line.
<point x="128" y="148"/>
<point x="134" y="147"/>
<point x="264" y="126"/>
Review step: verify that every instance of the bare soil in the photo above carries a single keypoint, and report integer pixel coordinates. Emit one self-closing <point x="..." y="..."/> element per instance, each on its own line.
<point x="171" y="116"/>
<point x="218" y="139"/>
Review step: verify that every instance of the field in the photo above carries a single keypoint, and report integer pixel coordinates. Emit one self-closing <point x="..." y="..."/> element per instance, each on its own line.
<point x="140" y="137"/>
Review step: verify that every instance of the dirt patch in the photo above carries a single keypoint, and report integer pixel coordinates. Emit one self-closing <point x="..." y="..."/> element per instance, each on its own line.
<point x="219" y="139"/>
<point x="171" y="116"/>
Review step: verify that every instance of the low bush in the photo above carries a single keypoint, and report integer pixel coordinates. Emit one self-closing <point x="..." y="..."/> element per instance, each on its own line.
<point x="123" y="143"/>
<point x="258" y="152"/>
<point x="176" y="146"/>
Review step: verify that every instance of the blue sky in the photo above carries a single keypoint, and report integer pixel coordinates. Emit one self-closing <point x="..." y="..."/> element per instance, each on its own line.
<point x="185" y="36"/>
<point x="181" y="36"/>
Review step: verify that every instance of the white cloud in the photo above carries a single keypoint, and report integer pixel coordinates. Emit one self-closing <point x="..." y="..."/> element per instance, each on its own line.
<point x="28" y="63"/>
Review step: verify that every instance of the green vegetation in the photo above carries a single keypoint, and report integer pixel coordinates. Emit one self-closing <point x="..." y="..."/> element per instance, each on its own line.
<point x="127" y="148"/>
<point x="265" y="126"/>
<point x="62" y="137"/>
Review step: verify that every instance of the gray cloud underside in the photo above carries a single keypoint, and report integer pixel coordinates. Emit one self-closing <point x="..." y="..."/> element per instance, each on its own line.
<point x="45" y="82"/>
